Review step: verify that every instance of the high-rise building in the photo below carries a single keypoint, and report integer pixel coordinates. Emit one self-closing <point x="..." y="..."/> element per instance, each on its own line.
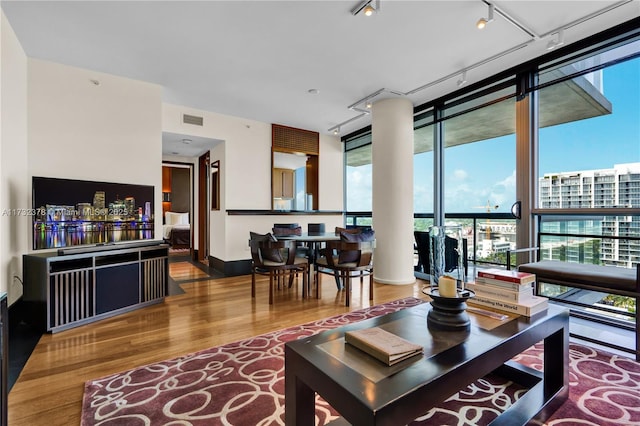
<point x="99" y="200"/>
<point x="130" y="206"/>
<point x="147" y="211"/>
<point x="615" y="187"/>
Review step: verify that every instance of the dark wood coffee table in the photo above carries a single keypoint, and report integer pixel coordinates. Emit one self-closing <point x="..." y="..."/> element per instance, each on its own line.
<point x="367" y="392"/>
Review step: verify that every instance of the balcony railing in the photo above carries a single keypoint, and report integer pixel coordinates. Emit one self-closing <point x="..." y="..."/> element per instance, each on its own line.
<point x="476" y="226"/>
<point x="564" y="234"/>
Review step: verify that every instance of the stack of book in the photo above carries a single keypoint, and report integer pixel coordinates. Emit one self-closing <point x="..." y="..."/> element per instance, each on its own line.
<point x="509" y="291"/>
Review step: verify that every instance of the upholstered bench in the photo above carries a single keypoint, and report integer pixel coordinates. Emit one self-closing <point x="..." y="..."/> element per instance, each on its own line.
<point x="606" y="279"/>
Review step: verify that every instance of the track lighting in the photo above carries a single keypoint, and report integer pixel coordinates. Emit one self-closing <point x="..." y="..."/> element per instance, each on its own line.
<point x="366" y="7"/>
<point x="463" y="79"/>
<point x="559" y="41"/>
<point x="482" y="22"/>
<point x="368" y="105"/>
<point x="368" y="10"/>
<point x="336" y="130"/>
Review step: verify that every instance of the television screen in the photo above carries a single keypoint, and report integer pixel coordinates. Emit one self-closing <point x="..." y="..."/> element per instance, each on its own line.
<point x="69" y="212"/>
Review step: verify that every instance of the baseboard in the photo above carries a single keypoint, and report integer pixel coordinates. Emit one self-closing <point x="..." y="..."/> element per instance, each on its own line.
<point x="232" y="268"/>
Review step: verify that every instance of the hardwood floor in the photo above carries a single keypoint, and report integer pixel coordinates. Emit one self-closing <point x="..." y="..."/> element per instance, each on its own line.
<point x="211" y="312"/>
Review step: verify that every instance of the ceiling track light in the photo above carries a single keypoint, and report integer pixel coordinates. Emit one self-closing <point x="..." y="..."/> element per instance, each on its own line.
<point x="463" y="79"/>
<point x="336" y="130"/>
<point x="534" y="36"/>
<point x="558" y="41"/>
<point x="368" y="10"/>
<point x="366" y="7"/>
<point x="482" y="22"/>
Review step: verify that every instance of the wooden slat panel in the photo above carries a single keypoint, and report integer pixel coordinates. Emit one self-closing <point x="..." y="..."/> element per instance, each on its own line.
<point x="290" y="139"/>
<point x="153" y="279"/>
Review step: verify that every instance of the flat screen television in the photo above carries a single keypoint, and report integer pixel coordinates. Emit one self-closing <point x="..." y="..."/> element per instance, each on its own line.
<point x="68" y="212"/>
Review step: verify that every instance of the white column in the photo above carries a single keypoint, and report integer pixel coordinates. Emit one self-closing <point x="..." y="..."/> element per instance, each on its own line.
<point x="392" y="151"/>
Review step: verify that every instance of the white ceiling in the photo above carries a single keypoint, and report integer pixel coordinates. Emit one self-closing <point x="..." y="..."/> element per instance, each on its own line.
<point x="259" y="59"/>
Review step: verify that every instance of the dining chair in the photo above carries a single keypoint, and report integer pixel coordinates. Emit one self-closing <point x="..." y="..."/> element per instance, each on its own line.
<point x="347" y="260"/>
<point x="315" y="228"/>
<point x="276" y="259"/>
<point x="289" y="229"/>
<point x="280" y="229"/>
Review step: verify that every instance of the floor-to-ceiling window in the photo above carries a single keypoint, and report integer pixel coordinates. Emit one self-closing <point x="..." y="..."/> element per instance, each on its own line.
<point x="480" y="168"/>
<point x="589" y="161"/>
<point x="358" y="180"/>
<point x="423" y="170"/>
<point x="564" y="136"/>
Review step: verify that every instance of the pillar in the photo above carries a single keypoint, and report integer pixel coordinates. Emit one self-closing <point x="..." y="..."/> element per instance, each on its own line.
<point x="392" y="165"/>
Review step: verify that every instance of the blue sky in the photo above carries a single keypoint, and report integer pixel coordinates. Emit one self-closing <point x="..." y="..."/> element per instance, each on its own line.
<point x="603" y="141"/>
<point x="477" y="173"/>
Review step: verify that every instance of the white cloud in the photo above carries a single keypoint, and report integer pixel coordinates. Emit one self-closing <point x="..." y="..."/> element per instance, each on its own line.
<point x="460" y="174"/>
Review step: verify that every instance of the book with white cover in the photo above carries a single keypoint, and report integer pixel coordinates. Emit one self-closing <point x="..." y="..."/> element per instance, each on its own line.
<point x="533" y="306"/>
<point x="506" y="284"/>
<point x="501" y="293"/>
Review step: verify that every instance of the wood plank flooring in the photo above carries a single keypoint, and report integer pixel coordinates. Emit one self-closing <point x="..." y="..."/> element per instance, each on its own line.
<point x="210" y="313"/>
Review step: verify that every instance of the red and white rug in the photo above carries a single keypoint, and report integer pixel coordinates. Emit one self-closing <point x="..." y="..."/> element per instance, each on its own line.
<point x="242" y="383"/>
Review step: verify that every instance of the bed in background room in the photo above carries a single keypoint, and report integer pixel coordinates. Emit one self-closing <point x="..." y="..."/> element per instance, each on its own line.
<point x="177" y="230"/>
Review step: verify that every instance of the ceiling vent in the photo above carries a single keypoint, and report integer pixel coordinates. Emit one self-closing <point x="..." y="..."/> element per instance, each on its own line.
<point x="192" y="119"/>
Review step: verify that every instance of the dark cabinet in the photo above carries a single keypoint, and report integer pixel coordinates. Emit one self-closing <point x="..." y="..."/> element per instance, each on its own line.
<point x="64" y="291"/>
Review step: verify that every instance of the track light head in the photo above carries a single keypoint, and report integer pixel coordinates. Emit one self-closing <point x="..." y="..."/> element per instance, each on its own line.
<point x="336" y="130"/>
<point x="559" y="41"/>
<point x="463" y="79"/>
<point x="368" y="10"/>
<point x="482" y="22"/>
<point x="368" y="105"/>
<point x="366" y="7"/>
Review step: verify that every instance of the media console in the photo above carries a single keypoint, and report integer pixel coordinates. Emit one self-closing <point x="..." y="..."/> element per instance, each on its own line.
<point x="75" y="287"/>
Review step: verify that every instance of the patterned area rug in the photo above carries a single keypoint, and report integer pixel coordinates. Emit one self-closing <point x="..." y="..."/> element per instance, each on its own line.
<point x="242" y="383"/>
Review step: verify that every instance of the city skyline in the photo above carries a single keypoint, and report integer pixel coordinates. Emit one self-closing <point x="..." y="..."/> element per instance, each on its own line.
<point x="70" y="192"/>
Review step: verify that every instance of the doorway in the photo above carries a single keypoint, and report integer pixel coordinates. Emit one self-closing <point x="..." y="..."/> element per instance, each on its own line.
<point x="177" y="206"/>
<point x="194" y="151"/>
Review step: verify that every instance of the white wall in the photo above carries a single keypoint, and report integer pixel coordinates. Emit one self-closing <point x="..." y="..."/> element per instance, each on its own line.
<point x="56" y="122"/>
<point x="331" y="170"/>
<point x="245" y="159"/>
<point x="217" y="226"/>
<point x="248" y="149"/>
<point x="14" y="187"/>
<point x="107" y="132"/>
